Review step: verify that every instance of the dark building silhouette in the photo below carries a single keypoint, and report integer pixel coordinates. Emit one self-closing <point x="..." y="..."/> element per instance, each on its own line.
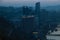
<point x="27" y="10"/>
<point x="37" y="7"/>
<point x="37" y="11"/>
<point x="27" y="24"/>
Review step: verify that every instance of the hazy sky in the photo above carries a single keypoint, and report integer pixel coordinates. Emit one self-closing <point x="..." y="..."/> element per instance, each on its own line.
<point x="29" y="2"/>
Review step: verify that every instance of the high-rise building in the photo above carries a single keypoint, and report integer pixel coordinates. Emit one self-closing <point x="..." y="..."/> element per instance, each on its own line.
<point x="37" y="12"/>
<point x="27" y="26"/>
<point x="37" y="8"/>
<point x="28" y="10"/>
<point x="27" y="23"/>
<point x="38" y="18"/>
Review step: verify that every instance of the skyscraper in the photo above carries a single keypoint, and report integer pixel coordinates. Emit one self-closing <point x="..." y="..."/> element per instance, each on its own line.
<point x="27" y="26"/>
<point x="38" y="18"/>
<point x="27" y="23"/>
<point x="37" y="7"/>
<point x="37" y="11"/>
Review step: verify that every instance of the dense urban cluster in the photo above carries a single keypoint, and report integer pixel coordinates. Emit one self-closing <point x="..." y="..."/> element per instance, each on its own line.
<point x="21" y="23"/>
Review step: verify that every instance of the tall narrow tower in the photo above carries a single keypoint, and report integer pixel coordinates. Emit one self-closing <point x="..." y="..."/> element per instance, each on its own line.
<point x="37" y="12"/>
<point x="37" y="7"/>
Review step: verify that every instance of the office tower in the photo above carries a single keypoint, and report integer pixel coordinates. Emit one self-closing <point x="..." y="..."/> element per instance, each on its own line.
<point x="37" y="12"/>
<point x="25" y="10"/>
<point x="39" y="23"/>
<point x="27" y="18"/>
<point x="27" y="26"/>
<point x="27" y="23"/>
<point x="37" y="7"/>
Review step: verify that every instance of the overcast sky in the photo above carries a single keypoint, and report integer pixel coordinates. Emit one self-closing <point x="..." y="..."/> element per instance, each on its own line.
<point x="29" y="2"/>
